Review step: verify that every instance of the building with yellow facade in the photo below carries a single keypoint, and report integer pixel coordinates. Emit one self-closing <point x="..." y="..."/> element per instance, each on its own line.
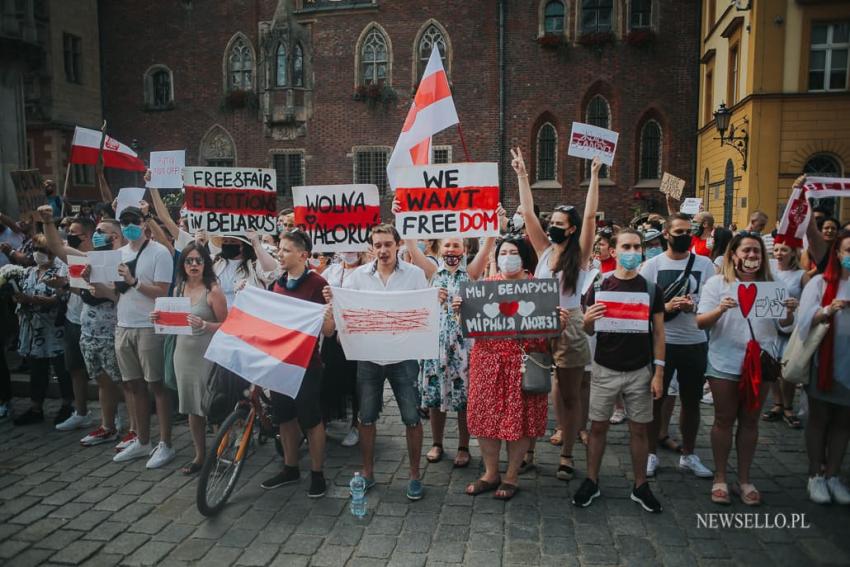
<point x="780" y="67"/>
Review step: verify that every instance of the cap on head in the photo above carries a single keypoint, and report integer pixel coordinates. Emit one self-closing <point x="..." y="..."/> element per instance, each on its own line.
<point x="131" y="211"/>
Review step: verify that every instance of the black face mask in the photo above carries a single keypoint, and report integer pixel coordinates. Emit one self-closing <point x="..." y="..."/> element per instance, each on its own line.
<point x="230" y="251"/>
<point x="74" y="241"/>
<point x="558" y="234"/>
<point x="680" y="243"/>
<point x="451" y="260"/>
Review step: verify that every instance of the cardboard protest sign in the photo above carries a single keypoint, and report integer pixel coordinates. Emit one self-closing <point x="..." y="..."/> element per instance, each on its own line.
<point x="691" y="206"/>
<point x="762" y="300"/>
<point x="28" y="190"/>
<point x="510" y="309"/>
<point x="338" y="218"/>
<point x="625" y="312"/>
<point x="128" y="197"/>
<point x="104" y="266"/>
<point x="587" y="141"/>
<point x="229" y="201"/>
<point x="76" y="265"/>
<point x="443" y="200"/>
<point x="672" y="185"/>
<point x="167" y="169"/>
<point x="173" y="316"/>
<point x="388" y="326"/>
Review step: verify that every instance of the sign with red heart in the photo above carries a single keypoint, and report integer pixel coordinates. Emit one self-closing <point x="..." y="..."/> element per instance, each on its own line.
<point x="509" y="308"/>
<point x="747" y="298"/>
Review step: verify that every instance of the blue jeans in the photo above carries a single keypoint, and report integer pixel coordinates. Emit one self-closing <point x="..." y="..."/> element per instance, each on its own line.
<point x="403" y="377"/>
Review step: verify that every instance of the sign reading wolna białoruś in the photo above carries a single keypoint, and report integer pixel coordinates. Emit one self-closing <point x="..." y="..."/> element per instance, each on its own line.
<point x="510" y="309"/>
<point x="338" y="218"/>
<point x="231" y="200"/>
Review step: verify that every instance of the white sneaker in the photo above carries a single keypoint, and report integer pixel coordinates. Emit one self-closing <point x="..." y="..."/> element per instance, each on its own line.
<point x="818" y="491"/>
<point x="707" y="398"/>
<point x="651" y="465"/>
<point x="839" y="492"/>
<point x="162" y="454"/>
<point x="135" y="450"/>
<point x="76" y="421"/>
<point x="693" y="464"/>
<point x="352" y="438"/>
<point x="618" y="417"/>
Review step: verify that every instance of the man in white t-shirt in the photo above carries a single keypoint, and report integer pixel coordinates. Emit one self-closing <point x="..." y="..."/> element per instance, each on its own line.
<point x="686" y="346"/>
<point x="147" y="271"/>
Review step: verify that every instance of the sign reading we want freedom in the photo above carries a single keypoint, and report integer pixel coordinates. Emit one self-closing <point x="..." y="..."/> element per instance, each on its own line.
<point x="446" y="200"/>
<point x="231" y="200"/>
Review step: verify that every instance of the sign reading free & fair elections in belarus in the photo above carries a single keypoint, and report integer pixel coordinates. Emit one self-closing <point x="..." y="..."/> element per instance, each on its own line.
<point x="231" y="200"/>
<point x="510" y="309"/>
<point x="338" y="218"/>
<point x="448" y="200"/>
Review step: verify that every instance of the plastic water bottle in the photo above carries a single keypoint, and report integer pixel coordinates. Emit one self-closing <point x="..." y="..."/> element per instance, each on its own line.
<point x="358" y="495"/>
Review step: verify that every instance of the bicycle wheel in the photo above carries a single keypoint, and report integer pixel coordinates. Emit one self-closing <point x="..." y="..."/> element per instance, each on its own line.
<point x="224" y="462"/>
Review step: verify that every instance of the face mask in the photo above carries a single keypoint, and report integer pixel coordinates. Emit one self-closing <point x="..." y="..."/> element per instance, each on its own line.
<point x="99" y="240"/>
<point x="230" y="251"/>
<point x="510" y="263"/>
<point x="41" y="258"/>
<point x="132" y="232"/>
<point x="749" y="266"/>
<point x="680" y="243"/>
<point x="629" y="260"/>
<point x="653" y="252"/>
<point x="451" y="260"/>
<point x="350" y="257"/>
<point x="421" y="246"/>
<point x="74" y="241"/>
<point x="314" y="262"/>
<point x="518" y="221"/>
<point x="557" y="234"/>
<point x="279" y="228"/>
<point x="697" y="229"/>
<point x="845" y="262"/>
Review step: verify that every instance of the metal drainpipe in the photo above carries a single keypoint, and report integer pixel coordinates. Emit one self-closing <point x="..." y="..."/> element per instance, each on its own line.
<point x="696" y="114"/>
<point x="502" y="101"/>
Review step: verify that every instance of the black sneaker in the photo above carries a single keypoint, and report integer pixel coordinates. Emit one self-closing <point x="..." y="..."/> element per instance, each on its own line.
<point x="317" y="485"/>
<point x="63" y="414"/>
<point x="643" y="496"/>
<point x="586" y="493"/>
<point x="287" y="476"/>
<point x="29" y="417"/>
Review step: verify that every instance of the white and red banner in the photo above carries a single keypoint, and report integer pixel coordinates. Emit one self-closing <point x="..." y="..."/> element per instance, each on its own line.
<point x="173" y="316"/>
<point x="86" y="146"/>
<point x="588" y="141"/>
<point x="443" y="200"/>
<point x="625" y="312"/>
<point x="268" y="339"/>
<point x="432" y="111"/>
<point x="76" y="266"/>
<point x="388" y="326"/>
<point x="229" y="201"/>
<point x="338" y="218"/>
<point x="798" y="212"/>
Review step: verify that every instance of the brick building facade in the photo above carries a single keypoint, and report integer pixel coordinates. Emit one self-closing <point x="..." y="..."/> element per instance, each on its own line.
<point x="319" y="89"/>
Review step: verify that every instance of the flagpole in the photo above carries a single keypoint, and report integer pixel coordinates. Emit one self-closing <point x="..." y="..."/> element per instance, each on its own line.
<point x="98" y="168"/>
<point x="463" y="143"/>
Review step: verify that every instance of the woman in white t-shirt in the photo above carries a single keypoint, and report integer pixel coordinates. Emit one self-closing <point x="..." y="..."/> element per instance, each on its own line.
<point x="564" y="253"/>
<point x="745" y="261"/>
<point x="240" y="263"/>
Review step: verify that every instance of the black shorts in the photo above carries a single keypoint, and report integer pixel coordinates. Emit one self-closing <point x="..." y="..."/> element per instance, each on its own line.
<point x="688" y="362"/>
<point x="305" y="406"/>
<point x="73" y="354"/>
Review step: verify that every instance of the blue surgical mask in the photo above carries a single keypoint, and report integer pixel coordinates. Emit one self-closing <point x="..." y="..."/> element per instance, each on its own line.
<point x="132" y="232"/>
<point x="99" y="239"/>
<point x="629" y="260"/>
<point x="845" y="262"/>
<point x="653" y="252"/>
<point x="421" y="246"/>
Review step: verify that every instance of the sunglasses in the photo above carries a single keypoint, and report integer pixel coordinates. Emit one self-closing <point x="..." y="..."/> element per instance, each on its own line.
<point x="564" y="208"/>
<point x="128" y="222"/>
<point x="196" y="261"/>
<point x="748" y="234"/>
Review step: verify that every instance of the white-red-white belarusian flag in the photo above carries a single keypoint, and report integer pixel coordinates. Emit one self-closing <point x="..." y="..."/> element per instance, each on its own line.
<point x="625" y="312"/>
<point x="432" y="111"/>
<point x="268" y="339"/>
<point x="86" y="145"/>
<point x="798" y="211"/>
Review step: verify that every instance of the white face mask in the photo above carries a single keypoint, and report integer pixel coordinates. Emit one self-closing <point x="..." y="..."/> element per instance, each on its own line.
<point x="314" y="262"/>
<point x="518" y="221"/>
<point x="510" y="263"/>
<point x="350" y="257"/>
<point x="41" y="258"/>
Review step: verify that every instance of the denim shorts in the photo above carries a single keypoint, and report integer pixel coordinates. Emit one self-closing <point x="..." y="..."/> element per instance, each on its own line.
<point x="403" y="377"/>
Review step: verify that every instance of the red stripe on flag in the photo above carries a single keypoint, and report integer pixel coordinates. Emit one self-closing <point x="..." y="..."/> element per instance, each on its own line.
<point x="617" y="310"/>
<point x="76" y="270"/>
<point x="280" y="343"/>
<point x="368" y="216"/>
<point x="431" y="89"/>
<point x="417" y="199"/>
<point x="173" y="319"/>
<point x="231" y="201"/>
<point x="420" y="154"/>
<point x="84" y="155"/>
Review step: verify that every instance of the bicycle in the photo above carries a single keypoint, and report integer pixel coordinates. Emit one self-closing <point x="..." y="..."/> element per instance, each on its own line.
<point x="231" y="448"/>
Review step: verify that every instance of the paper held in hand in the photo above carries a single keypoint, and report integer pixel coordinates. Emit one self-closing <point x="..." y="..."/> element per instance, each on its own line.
<point x="672" y="186"/>
<point x="167" y="169"/>
<point x="173" y="316"/>
<point x="76" y="265"/>
<point x="128" y="197"/>
<point x="104" y="266"/>
<point x="691" y="206"/>
<point x="587" y="141"/>
<point x="625" y="312"/>
<point x="762" y="300"/>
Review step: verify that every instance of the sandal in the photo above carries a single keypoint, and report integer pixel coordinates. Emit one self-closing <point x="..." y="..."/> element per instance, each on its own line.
<point x="192" y="468"/>
<point x="775" y="413"/>
<point x="565" y="472"/>
<point x="462" y="464"/>
<point x="670" y="444"/>
<point x="527" y="465"/>
<point x="583" y="437"/>
<point x="481" y="486"/>
<point x="439" y="456"/>
<point x="790" y="419"/>
<point x="508" y="491"/>
<point x="557" y="437"/>
<point x="720" y="493"/>
<point x="750" y="496"/>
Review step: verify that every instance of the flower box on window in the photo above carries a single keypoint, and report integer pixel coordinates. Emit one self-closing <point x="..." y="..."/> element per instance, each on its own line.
<point x="374" y="94"/>
<point x="550" y="40"/>
<point x="596" y="39"/>
<point x="640" y="37"/>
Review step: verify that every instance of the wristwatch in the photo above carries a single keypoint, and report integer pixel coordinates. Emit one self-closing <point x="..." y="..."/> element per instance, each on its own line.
<point x="136" y="284"/>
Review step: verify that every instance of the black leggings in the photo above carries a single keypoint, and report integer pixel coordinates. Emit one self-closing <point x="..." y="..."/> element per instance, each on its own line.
<point x="40" y="378"/>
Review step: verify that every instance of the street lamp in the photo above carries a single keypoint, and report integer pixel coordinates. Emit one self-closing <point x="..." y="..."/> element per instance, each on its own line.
<point x="722" y="119"/>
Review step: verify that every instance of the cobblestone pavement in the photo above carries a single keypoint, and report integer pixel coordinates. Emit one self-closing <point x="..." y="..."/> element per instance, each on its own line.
<point x="64" y="504"/>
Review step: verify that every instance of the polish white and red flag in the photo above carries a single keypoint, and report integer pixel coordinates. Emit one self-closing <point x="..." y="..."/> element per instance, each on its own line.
<point x="432" y="110"/>
<point x="798" y="212"/>
<point x="625" y="312"/>
<point x="268" y="339"/>
<point x="85" y="148"/>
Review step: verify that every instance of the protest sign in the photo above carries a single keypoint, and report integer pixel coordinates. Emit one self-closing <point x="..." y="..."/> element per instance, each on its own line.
<point x="762" y="300"/>
<point x="76" y="265"/>
<point x="167" y="169"/>
<point x="104" y="266"/>
<point x="691" y="206"/>
<point x="672" y="186"/>
<point x="444" y="200"/>
<point x="625" y="312"/>
<point x="388" y="326"/>
<point x="586" y="279"/>
<point x="338" y="218"/>
<point x="28" y="190"/>
<point x="173" y="316"/>
<point x="229" y="201"/>
<point x="510" y="309"/>
<point x="128" y="197"/>
<point x="587" y="141"/>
